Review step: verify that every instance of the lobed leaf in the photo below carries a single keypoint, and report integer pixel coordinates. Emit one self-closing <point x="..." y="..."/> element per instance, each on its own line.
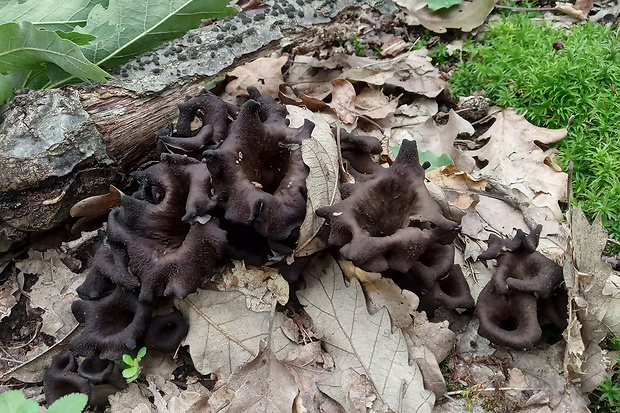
<point x="23" y="48"/>
<point x="48" y="14"/>
<point x="127" y="28"/>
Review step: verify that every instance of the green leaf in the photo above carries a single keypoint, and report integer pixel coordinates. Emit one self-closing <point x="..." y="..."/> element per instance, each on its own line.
<point x="71" y="403"/>
<point x="48" y="14"/>
<point x="141" y="353"/>
<point x="14" y="401"/>
<point x="434" y="160"/>
<point x="428" y="156"/>
<point x="127" y="359"/>
<point x="24" y="48"/>
<point x="77" y="38"/>
<point x="10" y="82"/>
<point x="129" y="372"/>
<point x="435" y="5"/>
<point x="127" y="28"/>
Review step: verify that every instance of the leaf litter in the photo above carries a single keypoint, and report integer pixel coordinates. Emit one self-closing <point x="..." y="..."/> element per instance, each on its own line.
<point x="229" y="328"/>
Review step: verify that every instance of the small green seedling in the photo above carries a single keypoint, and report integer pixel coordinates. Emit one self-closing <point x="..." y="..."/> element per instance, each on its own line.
<point x="359" y="46"/>
<point x="14" y="401"/>
<point x="134" y="368"/>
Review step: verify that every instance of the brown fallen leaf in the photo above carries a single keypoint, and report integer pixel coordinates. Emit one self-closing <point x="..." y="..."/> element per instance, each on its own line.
<point x="518" y="163"/>
<point x="361" y="342"/>
<point x="310" y="365"/>
<point x="10" y="292"/>
<point x="265" y="73"/>
<point x="343" y="101"/>
<point x="413" y="71"/>
<point x="320" y="153"/>
<point x="263" y="385"/>
<point x="372" y="103"/>
<point x="429" y="344"/>
<point x="383" y="292"/>
<point x="53" y="292"/>
<point x="223" y="334"/>
<point x="260" y="285"/>
<point x="94" y="208"/>
<point x="595" y="307"/>
<point x="460" y="188"/>
<point x="578" y="11"/>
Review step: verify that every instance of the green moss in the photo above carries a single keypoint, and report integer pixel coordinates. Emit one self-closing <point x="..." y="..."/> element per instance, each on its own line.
<point x="517" y="66"/>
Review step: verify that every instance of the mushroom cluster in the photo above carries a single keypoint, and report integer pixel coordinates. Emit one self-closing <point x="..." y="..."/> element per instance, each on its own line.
<point x="523" y="292"/>
<point x="233" y="189"/>
<point x="389" y="223"/>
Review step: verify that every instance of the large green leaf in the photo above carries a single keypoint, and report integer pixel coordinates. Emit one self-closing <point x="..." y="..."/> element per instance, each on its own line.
<point x="14" y="401"/>
<point x="48" y="14"/>
<point x="9" y="82"/>
<point x="435" y="5"/>
<point x="24" y="48"/>
<point x="70" y="403"/>
<point x="127" y="28"/>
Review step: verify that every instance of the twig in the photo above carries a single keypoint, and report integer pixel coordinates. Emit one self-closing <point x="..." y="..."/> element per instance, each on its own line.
<point x="31" y="340"/>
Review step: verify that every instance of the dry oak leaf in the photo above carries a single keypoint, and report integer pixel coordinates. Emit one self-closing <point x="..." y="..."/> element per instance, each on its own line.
<point x="263" y="385"/>
<point x="460" y="189"/>
<point x="360" y="342"/>
<point x="265" y="73"/>
<point x="320" y="154"/>
<point x="413" y="71"/>
<point x="260" y="285"/>
<point x="343" y="101"/>
<point x="517" y="162"/>
<point x="371" y="102"/>
<point x="440" y="139"/>
<point x="53" y="292"/>
<point x="309" y="364"/>
<point x="10" y="292"/>
<point x="383" y="292"/>
<point x="595" y="291"/>
<point x="223" y="334"/>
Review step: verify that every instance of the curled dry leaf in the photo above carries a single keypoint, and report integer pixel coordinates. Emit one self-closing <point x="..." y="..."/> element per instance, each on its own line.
<point x="383" y="292"/>
<point x="360" y="342"/>
<point x="461" y="190"/>
<point x="413" y="71"/>
<point x="429" y="344"/>
<point x="595" y="310"/>
<point x="263" y="385"/>
<point x="10" y="292"/>
<point x="310" y="365"/>
<point x="260" y="285"/>
<point x="94" y="208"/>
<point x="320" y="153"/>
<point x="372" y="103"/>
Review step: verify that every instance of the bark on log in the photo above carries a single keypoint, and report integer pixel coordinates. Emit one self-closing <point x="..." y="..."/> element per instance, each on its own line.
<point x="60" y="146"/>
